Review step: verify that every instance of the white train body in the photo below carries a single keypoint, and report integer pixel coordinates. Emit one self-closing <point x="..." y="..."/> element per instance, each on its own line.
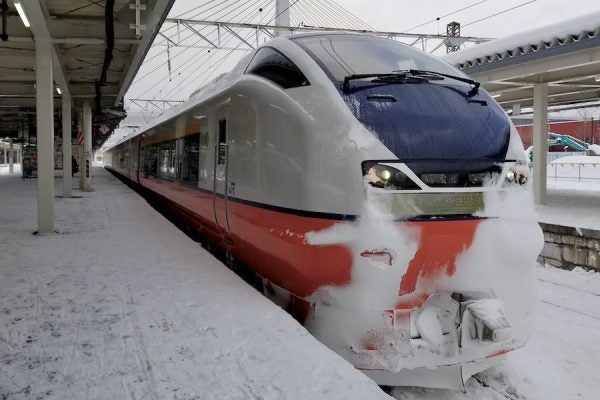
<point x="390" y="214"/>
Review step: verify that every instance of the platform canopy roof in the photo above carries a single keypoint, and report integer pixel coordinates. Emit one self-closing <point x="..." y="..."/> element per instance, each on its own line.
<point x="565" y="55"/>
<point x="98" y="48"/>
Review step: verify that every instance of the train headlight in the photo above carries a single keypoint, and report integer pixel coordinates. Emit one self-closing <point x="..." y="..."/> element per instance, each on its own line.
<point x="510" y="176"/>
<point x="384" y="176"/>
<point x="517" y="174"/>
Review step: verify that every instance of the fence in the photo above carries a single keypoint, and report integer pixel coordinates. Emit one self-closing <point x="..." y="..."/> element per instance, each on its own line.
<point x="574" y="171"/>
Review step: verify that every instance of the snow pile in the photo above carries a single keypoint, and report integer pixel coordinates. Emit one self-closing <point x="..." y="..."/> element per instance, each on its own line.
<point x="594" y="148"/>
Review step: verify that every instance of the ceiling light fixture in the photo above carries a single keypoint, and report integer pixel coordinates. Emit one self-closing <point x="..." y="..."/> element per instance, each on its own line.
<point x="58" y="90"/>
<point x="21" y="12"/>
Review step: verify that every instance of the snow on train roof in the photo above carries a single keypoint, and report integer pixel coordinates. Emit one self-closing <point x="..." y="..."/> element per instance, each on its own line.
<point x="530" y="41"/>
<point x="202" y="94"/>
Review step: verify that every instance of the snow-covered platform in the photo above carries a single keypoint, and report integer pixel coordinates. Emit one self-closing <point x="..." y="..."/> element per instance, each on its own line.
<point x="121" y="305"/>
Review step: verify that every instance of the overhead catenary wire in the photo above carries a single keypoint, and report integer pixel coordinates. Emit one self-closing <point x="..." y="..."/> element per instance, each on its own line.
<point x="308" y="9"/>
<point x="214" y="14"/>
<point x="336" y="8"/>
<point x="141" y="78"/>
<point x="197" y="67"/>
<point x="221" y="61"/>
<point x="269" y="22"/>
<point x="224" y="58"/>
<point x="188" y="79"/>
<point x="444" y="16"/>
<point x="248" y="11"/>
<point x="501" y="12"/>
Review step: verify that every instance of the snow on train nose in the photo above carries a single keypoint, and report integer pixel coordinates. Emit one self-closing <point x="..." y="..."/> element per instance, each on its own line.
<point x="478" y="321"/>
<point x="485" y="320"/>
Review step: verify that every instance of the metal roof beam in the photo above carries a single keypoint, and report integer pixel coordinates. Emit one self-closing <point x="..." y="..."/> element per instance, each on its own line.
<point x="39" y="26"/>
<point x="199" y="34"/>
<point x="536" y="67"/>
<point x="234" y="33"/>
<point x="75" y="40"/>
<point x="320" y="28"/>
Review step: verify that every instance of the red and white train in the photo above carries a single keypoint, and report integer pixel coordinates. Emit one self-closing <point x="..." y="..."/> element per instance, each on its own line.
<point x="378" y="193"/>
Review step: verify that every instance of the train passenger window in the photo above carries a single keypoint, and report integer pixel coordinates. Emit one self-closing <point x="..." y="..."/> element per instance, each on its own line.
<point x="191" y="158"/>
<point x="274" y="66"/>
<point x="222" y="140"/>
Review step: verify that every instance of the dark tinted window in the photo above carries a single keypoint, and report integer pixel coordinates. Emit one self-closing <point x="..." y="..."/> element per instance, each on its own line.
<point x="274" y="66"/>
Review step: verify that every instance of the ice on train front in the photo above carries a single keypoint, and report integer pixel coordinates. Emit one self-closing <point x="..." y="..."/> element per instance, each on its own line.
<point x="445" y="249"/>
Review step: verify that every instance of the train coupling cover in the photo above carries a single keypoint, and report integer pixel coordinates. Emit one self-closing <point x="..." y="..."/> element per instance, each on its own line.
<point x="484" y="320"/>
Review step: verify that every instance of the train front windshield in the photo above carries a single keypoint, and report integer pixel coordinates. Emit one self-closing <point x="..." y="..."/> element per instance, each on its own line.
<point x="341" y="55"/>
<point x="417" y="117"/>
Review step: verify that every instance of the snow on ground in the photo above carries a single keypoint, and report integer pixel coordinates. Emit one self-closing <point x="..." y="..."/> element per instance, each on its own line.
<point x="573" y="192"/>
<point x="122" y="305"/>
<point x="84" y="316"/>
<point x="5" y="169"/>
<point x="572" y="203"/>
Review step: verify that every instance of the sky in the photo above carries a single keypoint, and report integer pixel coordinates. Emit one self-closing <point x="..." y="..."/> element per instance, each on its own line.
<point x="400" y="15"/>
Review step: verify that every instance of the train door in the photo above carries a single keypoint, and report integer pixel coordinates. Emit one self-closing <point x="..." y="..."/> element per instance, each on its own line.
<point x="221" y="171"/>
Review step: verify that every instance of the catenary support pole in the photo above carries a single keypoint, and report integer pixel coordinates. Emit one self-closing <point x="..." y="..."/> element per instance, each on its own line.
<point x="45" y="134"/>
<point x="66" y="140"/>
<point x="282" y="16"/>
<point x="86" y="168"/>
<point x="540" y="141"/>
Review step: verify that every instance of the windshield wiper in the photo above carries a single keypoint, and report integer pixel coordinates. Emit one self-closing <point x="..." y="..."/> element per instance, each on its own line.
<point x="396" y="76"/>
<point x="424" y="73"/>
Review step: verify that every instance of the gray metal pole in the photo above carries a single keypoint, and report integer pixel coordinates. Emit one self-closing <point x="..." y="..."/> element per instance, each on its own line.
<point x="10" y="156"/>
<point x="540" y="141"/>
<point x="45" y="134"/>
<point x="282" y="16"/>
<point x="80" y="159"/>
<point x="86" y="168"/>
<point x="66" y="136"/>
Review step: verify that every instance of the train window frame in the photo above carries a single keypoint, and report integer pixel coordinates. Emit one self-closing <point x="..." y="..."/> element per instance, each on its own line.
<point x="282" y="73"/>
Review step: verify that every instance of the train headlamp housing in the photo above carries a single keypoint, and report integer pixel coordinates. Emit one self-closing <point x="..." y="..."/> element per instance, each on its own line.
<point x="517" y="174"/>
<point x="387" y="177"/>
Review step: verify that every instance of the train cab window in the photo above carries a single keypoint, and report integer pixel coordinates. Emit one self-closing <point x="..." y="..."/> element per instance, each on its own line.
<point x="274" y="66"/>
